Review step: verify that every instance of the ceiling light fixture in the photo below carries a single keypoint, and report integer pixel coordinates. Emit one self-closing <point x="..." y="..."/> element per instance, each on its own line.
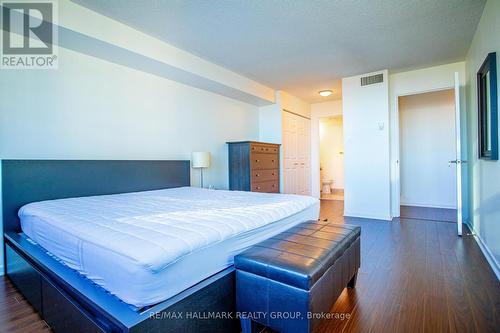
<point x="325" y="93"/>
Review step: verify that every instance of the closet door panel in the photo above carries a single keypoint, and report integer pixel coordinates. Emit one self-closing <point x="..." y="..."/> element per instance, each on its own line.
<point x="304" y="155"/>
<point x="290" y="149"/>
<point x="296" y="148"/>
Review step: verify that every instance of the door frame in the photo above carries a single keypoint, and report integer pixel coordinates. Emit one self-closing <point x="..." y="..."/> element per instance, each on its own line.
<point x="395" y="142"/>
<point x="315" y="155"/>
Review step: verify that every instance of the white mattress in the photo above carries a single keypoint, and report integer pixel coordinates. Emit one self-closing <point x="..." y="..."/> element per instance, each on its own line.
<point x="146" y="247"/>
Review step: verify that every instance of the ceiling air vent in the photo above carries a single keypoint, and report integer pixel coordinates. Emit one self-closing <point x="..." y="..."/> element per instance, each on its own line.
<point x="367" y="80"/>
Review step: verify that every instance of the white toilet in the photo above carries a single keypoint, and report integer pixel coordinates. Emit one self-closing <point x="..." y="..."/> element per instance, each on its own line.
<point x="326" y="186"/>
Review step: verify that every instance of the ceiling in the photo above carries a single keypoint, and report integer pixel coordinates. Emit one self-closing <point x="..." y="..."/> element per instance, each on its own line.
<point x="304" y="46"/>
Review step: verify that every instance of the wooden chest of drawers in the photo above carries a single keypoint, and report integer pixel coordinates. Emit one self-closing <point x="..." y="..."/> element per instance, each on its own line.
<point x="254" y="166"/>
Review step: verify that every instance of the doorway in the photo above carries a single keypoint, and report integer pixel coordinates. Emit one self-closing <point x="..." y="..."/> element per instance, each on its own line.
<point x="427" y="149"/>
<point x="331" y="153"/>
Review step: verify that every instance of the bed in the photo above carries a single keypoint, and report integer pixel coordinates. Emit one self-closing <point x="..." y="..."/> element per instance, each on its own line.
<point x="145" y="247"/>
<point x="126" y="242"/>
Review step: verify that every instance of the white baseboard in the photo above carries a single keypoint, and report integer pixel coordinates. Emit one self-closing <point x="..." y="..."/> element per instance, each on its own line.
<point x="486" y="251"/>
<point x="426" y="205"/>
<point x="368" y="216"/>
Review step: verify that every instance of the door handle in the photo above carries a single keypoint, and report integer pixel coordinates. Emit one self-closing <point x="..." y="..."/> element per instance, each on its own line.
<point x="456" y="162"/>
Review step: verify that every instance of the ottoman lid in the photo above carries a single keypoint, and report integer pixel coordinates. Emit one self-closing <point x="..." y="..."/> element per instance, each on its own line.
<point x="300" y="255"/>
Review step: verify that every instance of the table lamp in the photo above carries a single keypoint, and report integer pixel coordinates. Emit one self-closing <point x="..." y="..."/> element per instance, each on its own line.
<point x="200" y="160"/>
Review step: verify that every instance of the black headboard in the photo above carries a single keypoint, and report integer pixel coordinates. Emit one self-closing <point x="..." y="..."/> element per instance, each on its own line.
<point x="25" y="181"/>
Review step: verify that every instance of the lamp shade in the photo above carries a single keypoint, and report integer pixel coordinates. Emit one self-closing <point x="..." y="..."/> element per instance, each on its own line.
<point x="200" y="159"/>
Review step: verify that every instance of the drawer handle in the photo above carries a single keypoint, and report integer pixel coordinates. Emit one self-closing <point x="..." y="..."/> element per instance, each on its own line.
<point x="273" y="185"/>
<point x="258" y="187"/>
<point x="273" y="174"/>
<point x="257" y="161"/>
<point x="272" y="161"/>
<point x="257" y="175"/>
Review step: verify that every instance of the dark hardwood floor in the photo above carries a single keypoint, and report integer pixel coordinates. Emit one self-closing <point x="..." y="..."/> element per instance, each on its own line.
<point x="415" y="276"/>
<point x="425" y="213"/>
<point x="16" y="314"/>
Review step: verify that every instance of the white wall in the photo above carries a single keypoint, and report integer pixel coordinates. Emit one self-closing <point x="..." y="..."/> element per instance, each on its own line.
<point x="415" y="82"/>
<point x="294" y="104"/>
<point x="319" y="111"/>
<point x="427" y="143"/>
<point x="366" y="145"/>
<point x="484" y="175"/>
<point x="331" y="143"/>
<point x="270" y="122"/>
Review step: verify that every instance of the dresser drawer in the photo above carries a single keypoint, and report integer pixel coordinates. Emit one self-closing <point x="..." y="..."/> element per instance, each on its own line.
<point x="264" y="175"/>
<point x="260" y="161"/>
<point x="266" y="149"/>
<point x="269" y="187"/>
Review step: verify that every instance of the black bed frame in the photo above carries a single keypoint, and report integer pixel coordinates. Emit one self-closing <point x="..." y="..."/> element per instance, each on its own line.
<point x="69" y="302"/>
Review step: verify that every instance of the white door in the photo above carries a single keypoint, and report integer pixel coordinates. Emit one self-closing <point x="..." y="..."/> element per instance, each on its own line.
<point x="304" y="156"/>
<point x="290" y="149"/>
<point x="296" y="154"/>
<point x="458" y="160"/>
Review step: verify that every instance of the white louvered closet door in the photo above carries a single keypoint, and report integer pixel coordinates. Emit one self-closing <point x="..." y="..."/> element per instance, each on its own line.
<point x="296" y="154"/>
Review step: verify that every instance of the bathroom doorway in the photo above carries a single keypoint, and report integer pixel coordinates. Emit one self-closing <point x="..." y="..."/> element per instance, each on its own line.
<point x="331" y="152"/>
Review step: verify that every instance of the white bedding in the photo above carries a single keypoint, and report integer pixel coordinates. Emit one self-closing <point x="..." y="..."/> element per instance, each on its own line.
<point x="145" y="247"/>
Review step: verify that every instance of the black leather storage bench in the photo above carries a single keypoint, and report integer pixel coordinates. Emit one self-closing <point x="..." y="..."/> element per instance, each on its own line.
<point x="289" y="280"/>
